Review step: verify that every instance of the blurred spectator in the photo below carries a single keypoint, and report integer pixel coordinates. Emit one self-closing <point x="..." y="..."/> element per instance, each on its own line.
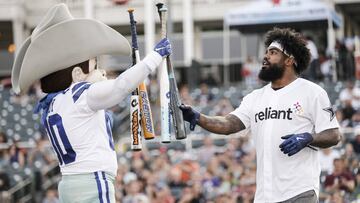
<point x="336" y="197"/>
<point x="16" y="155"/>
<point x="313" y="72"/>
<point x="4" y="181"/>
<point x="5" y="82"/>
<point x="355" y="120"/>
<point x="223" y="107"/>
<point x="4" y="152"/>
<point x="163" y="195"/>
<point x="326" y="67"/>
<point x="327" y="157"/>
<point x="210" y="80"/>
<point x="249" y="72"/>
<point x="225" y="198"/>
<point x="205" y="96"/>
<point x="3" y="138"/>
<point x="352" y="93"/>
<point x="340" y="58"/>
<point x="356" y="141"/>
<point x="235" y="146"/>
<point x="51" y="196"/>
<point x="137" y="163"/>
<point x="4" y="158"/>
<point x="350" y="60"/>
<point x="207" y="151"/>
<point x="175" y="182"/>
<point x="119" y="183"/>
<point x="350" y="157"/>
<point x="133" y="190"/>
<point x="355" y="195"/>
<point x="192" y="194"/>
<point x="340" y="117"/>
<point x="247" y="183"/>
<point x="42" y="155"/>
<point x="187" y="166"/>
<point x="185" y="95"/>
<point x="341" y="179"/>
<point x="347" y="110"/>
<point x="161" y="165"/>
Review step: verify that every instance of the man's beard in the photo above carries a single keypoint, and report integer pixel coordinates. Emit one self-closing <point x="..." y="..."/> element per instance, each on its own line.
<point x="271" y="73"/>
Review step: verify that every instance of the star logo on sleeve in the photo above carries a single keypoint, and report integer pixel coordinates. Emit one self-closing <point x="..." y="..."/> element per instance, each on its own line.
<point x="331" y="111"/>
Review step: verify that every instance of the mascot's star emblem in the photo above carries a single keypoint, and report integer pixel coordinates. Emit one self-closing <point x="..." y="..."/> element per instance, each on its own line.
<point x="331" y="111"/>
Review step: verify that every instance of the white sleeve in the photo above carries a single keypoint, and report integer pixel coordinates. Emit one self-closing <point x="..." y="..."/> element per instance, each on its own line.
<point x="243" y="112"/>
<point x="322" y="114"/>
<point x="105" y="94"/>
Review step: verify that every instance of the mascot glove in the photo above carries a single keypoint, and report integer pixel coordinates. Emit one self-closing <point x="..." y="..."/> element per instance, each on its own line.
<point x="163" y="47"/>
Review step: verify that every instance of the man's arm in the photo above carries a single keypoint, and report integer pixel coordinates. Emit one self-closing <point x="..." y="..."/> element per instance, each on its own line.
<point x="326" y="138"/>
<point x="220" y="124"/>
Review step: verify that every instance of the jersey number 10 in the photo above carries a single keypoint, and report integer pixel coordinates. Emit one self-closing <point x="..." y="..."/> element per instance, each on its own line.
<point x="59" y="139"/>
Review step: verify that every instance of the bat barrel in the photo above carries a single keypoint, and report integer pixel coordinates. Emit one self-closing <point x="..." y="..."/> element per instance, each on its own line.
<point x="135" y="128"/>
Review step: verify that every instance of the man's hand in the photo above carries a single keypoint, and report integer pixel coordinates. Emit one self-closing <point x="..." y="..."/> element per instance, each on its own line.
<point x="295" y="142"/>
<point x="190" y="115"/>
<point x="163" y="47"/>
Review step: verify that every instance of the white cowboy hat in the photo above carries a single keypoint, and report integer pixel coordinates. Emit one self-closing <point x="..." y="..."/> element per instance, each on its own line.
<point x="60" y="41"/>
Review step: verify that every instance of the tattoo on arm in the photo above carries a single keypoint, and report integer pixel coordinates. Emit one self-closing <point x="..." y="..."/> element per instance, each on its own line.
<point x="220" y="124"/>
<point x="326" y="138"/>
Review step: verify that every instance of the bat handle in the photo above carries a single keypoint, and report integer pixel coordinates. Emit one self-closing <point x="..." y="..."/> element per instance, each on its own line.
<point x="133" y="29"/>
<point x="163" y="18"/>
<point x="163" y="24"/>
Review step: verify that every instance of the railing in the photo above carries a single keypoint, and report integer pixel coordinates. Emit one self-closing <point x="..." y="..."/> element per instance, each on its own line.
<point x="25" y="191"/>
<point x="18" y="193"/>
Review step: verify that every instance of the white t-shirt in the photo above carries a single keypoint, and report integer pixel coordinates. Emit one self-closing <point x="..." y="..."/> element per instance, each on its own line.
<point x="301" y="106"/>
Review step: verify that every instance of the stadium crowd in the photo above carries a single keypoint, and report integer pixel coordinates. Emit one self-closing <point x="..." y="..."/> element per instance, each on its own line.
<point x="211" y="171"/>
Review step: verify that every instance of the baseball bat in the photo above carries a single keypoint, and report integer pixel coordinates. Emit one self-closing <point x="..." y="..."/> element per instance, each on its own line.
<point x="164" y="99"/>
<point x="135" y="128"/>
<point x="135" y="121"/>
<point x="177" y="116"/>
<point x="147" y="124"/>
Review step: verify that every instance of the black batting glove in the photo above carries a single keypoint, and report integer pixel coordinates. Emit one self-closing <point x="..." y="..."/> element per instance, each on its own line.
<point x="190" y="115"/>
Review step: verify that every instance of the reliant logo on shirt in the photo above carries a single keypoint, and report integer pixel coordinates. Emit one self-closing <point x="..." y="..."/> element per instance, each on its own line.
<point x="269" y="113"/>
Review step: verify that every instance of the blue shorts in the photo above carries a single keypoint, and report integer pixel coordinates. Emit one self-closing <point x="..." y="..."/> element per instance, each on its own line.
<point x="97" y="187"/>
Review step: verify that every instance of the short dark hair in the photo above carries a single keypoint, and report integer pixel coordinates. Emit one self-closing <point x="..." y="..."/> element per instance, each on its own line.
<point x="294" y="43"/>
<point x="60" y="80"/>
